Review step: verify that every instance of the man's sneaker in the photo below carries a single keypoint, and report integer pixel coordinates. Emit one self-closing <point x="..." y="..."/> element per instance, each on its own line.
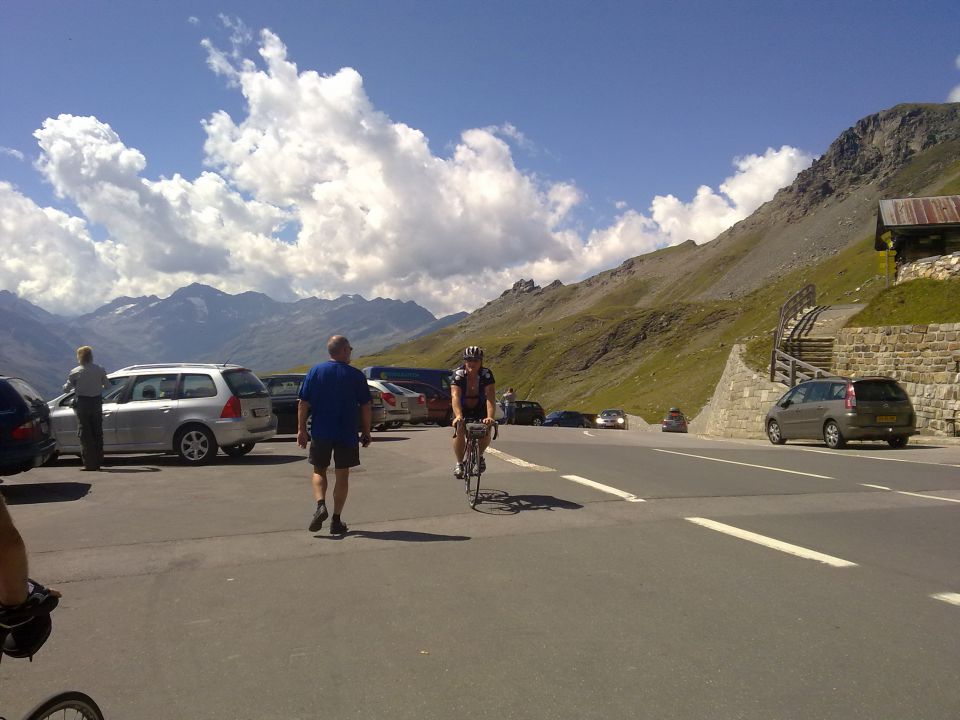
<point x="337" y="527"/>
<point x="483" y="464"/>
<point x="318" y="517"/>
<point x="458" y="471"/>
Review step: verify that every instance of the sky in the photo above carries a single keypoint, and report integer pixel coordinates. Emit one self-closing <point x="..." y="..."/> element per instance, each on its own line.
<point x="434" y="151"/>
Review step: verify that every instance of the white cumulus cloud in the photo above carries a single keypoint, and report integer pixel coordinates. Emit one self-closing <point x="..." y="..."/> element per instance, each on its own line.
<point x="955" y="93"/>
<point x="16" y="154"/>
<point x="363" y="204"/>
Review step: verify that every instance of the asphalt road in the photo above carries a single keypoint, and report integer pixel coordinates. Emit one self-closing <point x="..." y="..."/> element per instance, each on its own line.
<point x="605" y="575"/>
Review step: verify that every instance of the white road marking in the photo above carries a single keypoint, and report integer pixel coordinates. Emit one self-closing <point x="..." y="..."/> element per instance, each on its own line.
<point x="587" y="433"/>
<point x="771" y="542"/>
<point x="733" y="462"/>
<point x="847" y="453"/>
<point x="518" y="461"/>
<point x="952" y="598"/>
<point x="932" y="497"/>
<point x="604" y="488"/>
<point x="904" y="492"/>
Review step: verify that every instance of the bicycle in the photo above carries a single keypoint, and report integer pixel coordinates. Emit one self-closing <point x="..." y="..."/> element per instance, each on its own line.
<point x="23" y="631"/>
<point x="471" y="459"/>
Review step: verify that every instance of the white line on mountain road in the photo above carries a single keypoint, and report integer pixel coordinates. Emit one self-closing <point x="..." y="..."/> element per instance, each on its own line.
<point x="952" y="598"/>
<point x="604" y="488"/>
<point x="734" y="462"/>
<point x="517" y="461"/>
<point x="848" y="454"/>
<point x="904" y="492"/>
<point x="588" y="433"/>
<point x="771" y="543"/>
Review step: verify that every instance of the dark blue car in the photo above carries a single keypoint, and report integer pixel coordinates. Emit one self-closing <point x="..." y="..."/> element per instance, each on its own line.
<point x="566" y="418"/>
<point x="25" y="438"/>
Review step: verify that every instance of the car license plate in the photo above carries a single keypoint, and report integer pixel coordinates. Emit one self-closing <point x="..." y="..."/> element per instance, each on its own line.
<point x="259" y="412"/>
<point x="887" y="418"/>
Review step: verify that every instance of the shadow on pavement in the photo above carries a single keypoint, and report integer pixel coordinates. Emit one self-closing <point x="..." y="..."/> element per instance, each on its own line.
<point x="30" y="493"/>
<point x="872" y="446"/>
<point x="499" y="502"/>
<point x="397" y="535"/>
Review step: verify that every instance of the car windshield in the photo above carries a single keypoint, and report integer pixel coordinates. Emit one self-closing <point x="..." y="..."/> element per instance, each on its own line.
<point x="611" y="413"/>
<point x="283" y="385"/>
<point x="244" y="384"/>
<point x="879" y="391"/>
<point x="554" y="414"/>
<point x="398" y="390"/>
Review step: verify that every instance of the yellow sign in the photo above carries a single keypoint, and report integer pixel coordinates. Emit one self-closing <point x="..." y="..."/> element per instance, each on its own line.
<point x="886" y="262"/>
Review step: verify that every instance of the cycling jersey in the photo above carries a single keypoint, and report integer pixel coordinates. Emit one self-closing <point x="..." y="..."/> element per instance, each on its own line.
<point x="474" y="406"/>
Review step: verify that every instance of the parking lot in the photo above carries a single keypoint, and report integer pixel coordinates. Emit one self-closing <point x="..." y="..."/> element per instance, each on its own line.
<point x="598" y="578"/>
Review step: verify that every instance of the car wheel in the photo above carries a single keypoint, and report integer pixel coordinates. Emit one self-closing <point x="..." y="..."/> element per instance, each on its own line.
<point x="774" y="434"/>
<point x="536" y="421"/>
<point x="52" y="460"/>
<point x="239" y="450"/>
<point x="832" y="435"/>
<point x="898" y="442"/>
<point x="195" y="445"/>
<point x="447" y="419"/>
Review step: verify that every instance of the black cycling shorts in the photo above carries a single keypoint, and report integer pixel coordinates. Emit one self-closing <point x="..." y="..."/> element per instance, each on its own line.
<point x="344" y="456"/>
<point x="475" y="414"/>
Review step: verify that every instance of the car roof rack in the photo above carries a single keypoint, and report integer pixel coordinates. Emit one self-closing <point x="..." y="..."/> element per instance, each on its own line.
<point x="161" y="366"/>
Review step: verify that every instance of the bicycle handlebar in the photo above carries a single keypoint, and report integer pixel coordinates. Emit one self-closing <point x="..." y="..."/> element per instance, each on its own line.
<point x="496" y="428"/>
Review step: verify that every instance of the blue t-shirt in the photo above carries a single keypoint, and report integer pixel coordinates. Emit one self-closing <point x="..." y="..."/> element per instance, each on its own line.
<point x="335" y="391"/>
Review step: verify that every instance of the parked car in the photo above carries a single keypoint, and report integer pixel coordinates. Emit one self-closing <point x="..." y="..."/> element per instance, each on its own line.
<point x="285" y="395"/>
<point x="395" y="404"/>
<point x="439" y="408"/>
<point x="26" y="440"/>
<point x="612" y="419"/>
<point x="566" y="418"/>
<point x="416" y="403"/>
<point x="674" y="421"/>
<point x="528" y="412"/>
<point x="440" y="379"/>
<point x="839" y="409"/>
<point x="185" y="408"/>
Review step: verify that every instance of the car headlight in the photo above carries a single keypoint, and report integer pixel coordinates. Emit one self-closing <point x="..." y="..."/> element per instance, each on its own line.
<point x="620" y="421"/>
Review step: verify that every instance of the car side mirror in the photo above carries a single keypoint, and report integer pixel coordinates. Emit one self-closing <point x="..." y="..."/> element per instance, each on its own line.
<point x="784" y="404"/>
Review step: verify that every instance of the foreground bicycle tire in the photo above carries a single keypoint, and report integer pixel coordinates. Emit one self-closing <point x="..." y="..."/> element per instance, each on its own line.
<point x="471" y="472"/>
<point x="71" y="705"/>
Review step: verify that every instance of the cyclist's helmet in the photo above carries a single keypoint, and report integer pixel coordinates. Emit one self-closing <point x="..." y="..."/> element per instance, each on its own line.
<point x="474" y="352"/>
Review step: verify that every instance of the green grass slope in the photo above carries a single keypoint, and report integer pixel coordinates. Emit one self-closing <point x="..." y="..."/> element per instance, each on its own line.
<point x="917" y="302"/>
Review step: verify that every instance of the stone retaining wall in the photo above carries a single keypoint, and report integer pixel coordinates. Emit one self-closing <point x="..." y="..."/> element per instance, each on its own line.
<point x="940" y="267"/>
<point x="925" y="359"/>
<point x="740" y="401"/>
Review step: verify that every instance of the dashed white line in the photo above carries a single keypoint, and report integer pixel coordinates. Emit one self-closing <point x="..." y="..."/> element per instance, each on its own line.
<point x="517" y="461"/>
<point x="734" y="462"/>
<point x="952" y="598"/>
<point x="772" y="543"/>
<point x="904" y="492"/>
<point x="847" y="453"/>
<point x="588" y="433"/>
<point x="604" y="488"/>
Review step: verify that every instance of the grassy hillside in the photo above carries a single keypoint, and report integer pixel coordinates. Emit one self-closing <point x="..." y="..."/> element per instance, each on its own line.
<point x="917" y="302"/>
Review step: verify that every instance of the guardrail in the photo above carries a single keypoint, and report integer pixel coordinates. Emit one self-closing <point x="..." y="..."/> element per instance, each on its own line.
<point x="805" y="297"/>
<point x="789" y="370"/>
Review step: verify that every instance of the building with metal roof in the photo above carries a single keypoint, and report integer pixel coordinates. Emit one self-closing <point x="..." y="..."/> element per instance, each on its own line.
<point x="919" y="227"/>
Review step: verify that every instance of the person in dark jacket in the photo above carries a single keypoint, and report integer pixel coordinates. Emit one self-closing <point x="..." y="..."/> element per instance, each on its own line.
<point x="88" y="380"/>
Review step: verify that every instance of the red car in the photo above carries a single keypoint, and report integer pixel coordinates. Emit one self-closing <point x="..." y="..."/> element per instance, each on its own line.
<point x="439" y="407"/>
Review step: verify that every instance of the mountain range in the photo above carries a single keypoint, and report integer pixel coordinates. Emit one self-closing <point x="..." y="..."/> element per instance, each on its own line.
<point x="199" y="323"/>
<point x="656" y="331"/>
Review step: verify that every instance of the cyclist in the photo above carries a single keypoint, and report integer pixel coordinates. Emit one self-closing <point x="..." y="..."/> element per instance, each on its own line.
<point x="473" y="397"/>
<point x="25" y="606"/>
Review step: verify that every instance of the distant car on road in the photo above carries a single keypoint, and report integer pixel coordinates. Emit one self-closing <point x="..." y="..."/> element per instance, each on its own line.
<point x="566" y="418"/>
<point x="839" y="409"/>
<point x="612" y="419"/>
<point x="528" y="412"/>
<point x="190" y="409"/>
<point x="396" y="404"/>
<point x="675" y="421"/>
<point x="26" y="439"/>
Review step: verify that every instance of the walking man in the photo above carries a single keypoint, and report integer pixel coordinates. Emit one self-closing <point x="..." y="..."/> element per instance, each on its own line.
<point x="509" y="405"/>
<point x="88" y="380"/>
<point x="333" y="394"/>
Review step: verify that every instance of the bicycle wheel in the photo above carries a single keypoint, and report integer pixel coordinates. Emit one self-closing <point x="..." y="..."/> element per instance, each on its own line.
<point x="71" y="705"/>
<point x="473" y="475"/>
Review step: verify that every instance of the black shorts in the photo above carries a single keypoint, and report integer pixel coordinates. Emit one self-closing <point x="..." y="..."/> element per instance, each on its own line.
<point x="344" y="456"/>
<point x="475" y="414"/>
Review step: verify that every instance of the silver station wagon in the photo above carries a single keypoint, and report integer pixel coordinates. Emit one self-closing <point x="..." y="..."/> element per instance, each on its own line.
<point x="839" y="409"/>
<point x="183" y="408"/>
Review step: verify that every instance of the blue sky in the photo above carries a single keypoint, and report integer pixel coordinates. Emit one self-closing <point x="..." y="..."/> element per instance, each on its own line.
<point x="603" y="108"/>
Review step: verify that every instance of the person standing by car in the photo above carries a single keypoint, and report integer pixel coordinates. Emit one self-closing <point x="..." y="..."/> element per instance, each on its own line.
<point x="473" y="396"/>
<point x="332" y="394"/>
<point x="509" y="405"/>
<point x="87" y="381"/>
